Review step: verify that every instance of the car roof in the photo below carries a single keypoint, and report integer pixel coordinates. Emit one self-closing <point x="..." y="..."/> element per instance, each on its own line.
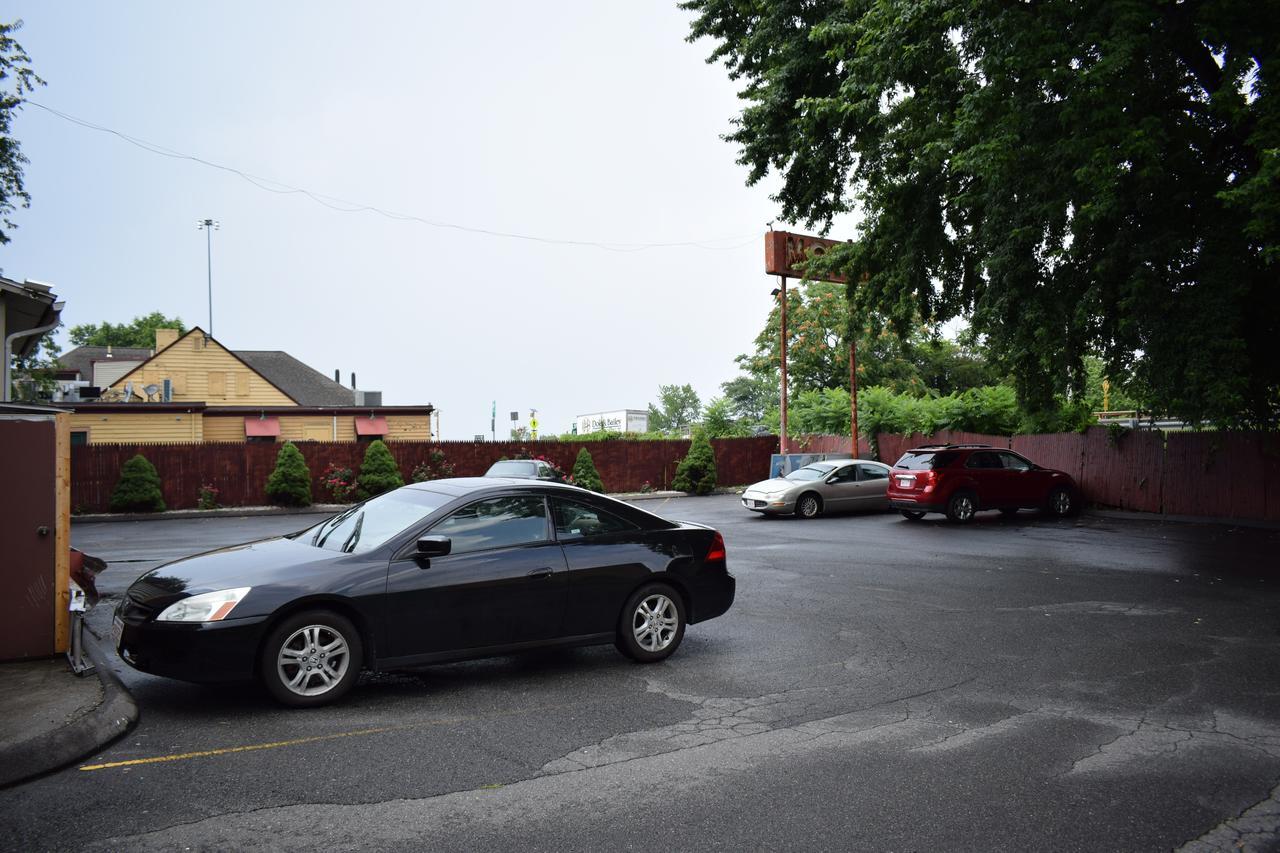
<point x="459" y="486"/>
<point x="932" y="448"/>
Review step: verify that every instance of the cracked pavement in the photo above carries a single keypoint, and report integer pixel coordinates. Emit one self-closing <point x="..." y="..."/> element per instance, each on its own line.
<point x="1026" y="683"/>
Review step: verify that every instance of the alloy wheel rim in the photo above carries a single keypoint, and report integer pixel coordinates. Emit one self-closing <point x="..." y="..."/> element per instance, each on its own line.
<point x="964" y="508"/>
<point x="654" y="622"/>
<point x="809" y="507"/>
<point x="1061" y="502"/>
<point x="313" y="660"/>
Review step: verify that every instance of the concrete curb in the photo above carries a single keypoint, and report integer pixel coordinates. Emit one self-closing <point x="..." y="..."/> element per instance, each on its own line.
<point x="226" y="512"/>
<point x="1131" y="515"/>
<point x="48" y="751"/>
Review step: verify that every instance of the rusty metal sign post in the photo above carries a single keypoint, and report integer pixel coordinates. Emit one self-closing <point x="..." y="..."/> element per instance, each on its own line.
<point x="785" y="255"/>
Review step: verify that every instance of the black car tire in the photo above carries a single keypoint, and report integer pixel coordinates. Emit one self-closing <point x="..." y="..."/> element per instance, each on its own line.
<point x="808" y="505"/>
<point x="912" y="514"/>
<point x="962" y="507"/>
<point x="296" y="663"/>
<point x="646" y="639"/>
<point x="1008" y="511"/>
<point x="1061" y="502"/>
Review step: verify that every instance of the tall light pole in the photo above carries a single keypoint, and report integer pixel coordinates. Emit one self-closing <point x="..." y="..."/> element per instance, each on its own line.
<point x="209" y="226"/>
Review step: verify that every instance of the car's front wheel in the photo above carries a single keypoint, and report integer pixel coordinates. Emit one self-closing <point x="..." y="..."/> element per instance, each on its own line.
<point x="809" y="506"/>
<point x="311" y="658"/>
<point x="652" y="623"/>
<point x="1061" y="502"/>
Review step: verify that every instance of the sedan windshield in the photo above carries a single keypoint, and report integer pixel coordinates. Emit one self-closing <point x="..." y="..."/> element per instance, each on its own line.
<point x="808" y="473"/>
<point x="370" y="524"/>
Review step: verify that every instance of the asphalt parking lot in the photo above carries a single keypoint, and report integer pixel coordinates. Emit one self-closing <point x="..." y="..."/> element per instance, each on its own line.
<point x="1089" y="684"/>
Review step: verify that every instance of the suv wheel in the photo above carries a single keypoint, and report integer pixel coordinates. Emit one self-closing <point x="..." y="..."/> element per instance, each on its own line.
<point x="912" y="514"/>
<point x="1061" y="502"/>
<point x="961" y="507"/>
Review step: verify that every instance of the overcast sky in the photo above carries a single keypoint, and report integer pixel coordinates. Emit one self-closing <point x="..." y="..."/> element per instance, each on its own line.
<point x="579" y="121"/>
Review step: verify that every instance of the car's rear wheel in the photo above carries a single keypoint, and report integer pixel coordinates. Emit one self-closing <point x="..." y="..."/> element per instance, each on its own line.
<point x="1061" y="502"/>
<point x="961" y="507"/>
<point x="809" y="506"/>
<point x="652" y="623"/>
<point x="311" y="658"/>
<point x="912" y="514"/>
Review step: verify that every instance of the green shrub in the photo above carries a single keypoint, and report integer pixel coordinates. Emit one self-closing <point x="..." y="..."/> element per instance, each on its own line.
<point x="138" y="489"/>
<point x="585" y="474"/>
<point x="697" y="471"/>
<point x="290" y="482"/>
<point x="379" y="472"/>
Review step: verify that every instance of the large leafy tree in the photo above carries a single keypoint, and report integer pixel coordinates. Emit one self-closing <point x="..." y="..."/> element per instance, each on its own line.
<point x="16" y="81"/>
<point x="677" y="410"/>
<point x="1082" y="176"/>
<point x="138" y="332"/>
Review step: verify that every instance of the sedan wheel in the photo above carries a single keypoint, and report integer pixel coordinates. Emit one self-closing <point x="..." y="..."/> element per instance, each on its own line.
<point x="652" y="623"/>
<point x="961" y="507"/>
<point x="311" y="659"/>
<point x="809" y="506"/>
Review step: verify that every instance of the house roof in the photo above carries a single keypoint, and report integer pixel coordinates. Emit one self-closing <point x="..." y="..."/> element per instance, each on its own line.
<point x="303" y="383"/>
<point x="81" y="359"/>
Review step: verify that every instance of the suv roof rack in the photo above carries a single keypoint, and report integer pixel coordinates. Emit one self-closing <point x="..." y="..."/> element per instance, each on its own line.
<point x="950" y="446"/>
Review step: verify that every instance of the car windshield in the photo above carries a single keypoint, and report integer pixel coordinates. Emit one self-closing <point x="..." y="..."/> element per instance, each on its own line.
<point x="370" y="524"/>
<point x="924" y="460"/>
<point x="808" y="473"/>
<point x="511" y="468"/>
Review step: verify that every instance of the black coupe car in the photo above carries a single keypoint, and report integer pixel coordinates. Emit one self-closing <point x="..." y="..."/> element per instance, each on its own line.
<point x="438" y="571"/>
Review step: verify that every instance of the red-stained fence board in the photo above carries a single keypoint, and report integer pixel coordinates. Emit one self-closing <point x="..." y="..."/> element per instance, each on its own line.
<point x="1218" y="474"/>
<point x="1124" y="471"/>
<point x="1063" y="451"/>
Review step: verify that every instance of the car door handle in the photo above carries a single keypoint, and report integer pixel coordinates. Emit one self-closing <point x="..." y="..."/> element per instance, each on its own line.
<point x="540" y="573"/>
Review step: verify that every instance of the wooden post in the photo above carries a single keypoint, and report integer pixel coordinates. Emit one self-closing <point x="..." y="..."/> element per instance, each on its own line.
<point x="782" y="295"/>
<point x="62" y="535"/>
<point x="853" y="391"/>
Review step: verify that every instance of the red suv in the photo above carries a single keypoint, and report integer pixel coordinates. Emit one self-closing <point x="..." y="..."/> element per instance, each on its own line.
<point x="960" y="479"/>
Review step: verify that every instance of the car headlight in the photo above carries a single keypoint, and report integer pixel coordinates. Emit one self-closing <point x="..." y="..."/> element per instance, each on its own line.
<point x="206" y="607"/>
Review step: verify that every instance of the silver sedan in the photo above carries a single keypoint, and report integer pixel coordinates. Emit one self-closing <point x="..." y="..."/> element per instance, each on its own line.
<point x="822" y="487"/>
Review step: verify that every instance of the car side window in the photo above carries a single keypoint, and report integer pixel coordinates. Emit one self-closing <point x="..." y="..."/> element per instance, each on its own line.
<point x="872" y="472"/>
<point x="576" y="520"/>
<point x="495" y="523"/>
<point x="847" y="474"/>
<point x="1014" y="462"/>
<point x="984" y="459"/>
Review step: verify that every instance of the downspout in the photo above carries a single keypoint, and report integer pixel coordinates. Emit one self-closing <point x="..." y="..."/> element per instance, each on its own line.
<point x="8" y="345"/>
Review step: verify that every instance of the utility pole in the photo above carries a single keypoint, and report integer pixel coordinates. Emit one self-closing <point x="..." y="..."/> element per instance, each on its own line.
<point x="209" y="226"/>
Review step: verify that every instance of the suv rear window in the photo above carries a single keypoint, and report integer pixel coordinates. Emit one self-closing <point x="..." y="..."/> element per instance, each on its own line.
<point x="925" y="460"/>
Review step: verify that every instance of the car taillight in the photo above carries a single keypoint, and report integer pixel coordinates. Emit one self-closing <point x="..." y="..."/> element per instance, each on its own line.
<point x="717" y="549"/>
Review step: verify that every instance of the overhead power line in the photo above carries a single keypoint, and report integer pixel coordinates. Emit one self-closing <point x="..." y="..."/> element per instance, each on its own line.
<point x="345" y="206"/>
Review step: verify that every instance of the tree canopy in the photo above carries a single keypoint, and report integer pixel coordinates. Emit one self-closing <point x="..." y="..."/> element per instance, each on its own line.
<point x="677" y="410"/>
<point x="16" y="80"/>
<point x="138" y="332"/>
<point x="1080" y="176"/>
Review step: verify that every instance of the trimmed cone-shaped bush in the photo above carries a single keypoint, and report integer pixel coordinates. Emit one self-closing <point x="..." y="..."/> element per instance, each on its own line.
<point x="585" y="473"/>
<point x="379" y="472"/>
<point x="290" y="482"/>
<point x="697" y="472"/>
<point x="138" y="489"/>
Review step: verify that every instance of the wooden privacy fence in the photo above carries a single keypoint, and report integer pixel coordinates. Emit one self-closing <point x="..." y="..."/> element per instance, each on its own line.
<point x="239" y="471"/>
<point x="1214" y="474"/>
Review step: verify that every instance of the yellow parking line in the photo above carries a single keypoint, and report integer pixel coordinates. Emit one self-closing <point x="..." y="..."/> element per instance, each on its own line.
<point x="207" y="753"/>
<point x="182" y="756"/>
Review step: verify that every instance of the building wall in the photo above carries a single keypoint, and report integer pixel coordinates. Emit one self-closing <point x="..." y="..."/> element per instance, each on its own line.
<point x="140" y="427"/>
<point x="406" y="427"/>
<point x="202" y="370"/>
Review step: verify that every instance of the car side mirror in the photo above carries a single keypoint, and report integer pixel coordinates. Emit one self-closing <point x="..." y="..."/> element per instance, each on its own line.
<point x="434" y="546"/>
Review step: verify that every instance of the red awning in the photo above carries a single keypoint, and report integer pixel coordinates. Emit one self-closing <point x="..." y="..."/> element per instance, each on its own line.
<point x="371" y="426"/>
<point x="262" y="426"/>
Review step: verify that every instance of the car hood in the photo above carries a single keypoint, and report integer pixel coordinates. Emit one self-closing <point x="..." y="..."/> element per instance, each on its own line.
<point x="268" y="561"/>
<point x="775" y="485"/>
